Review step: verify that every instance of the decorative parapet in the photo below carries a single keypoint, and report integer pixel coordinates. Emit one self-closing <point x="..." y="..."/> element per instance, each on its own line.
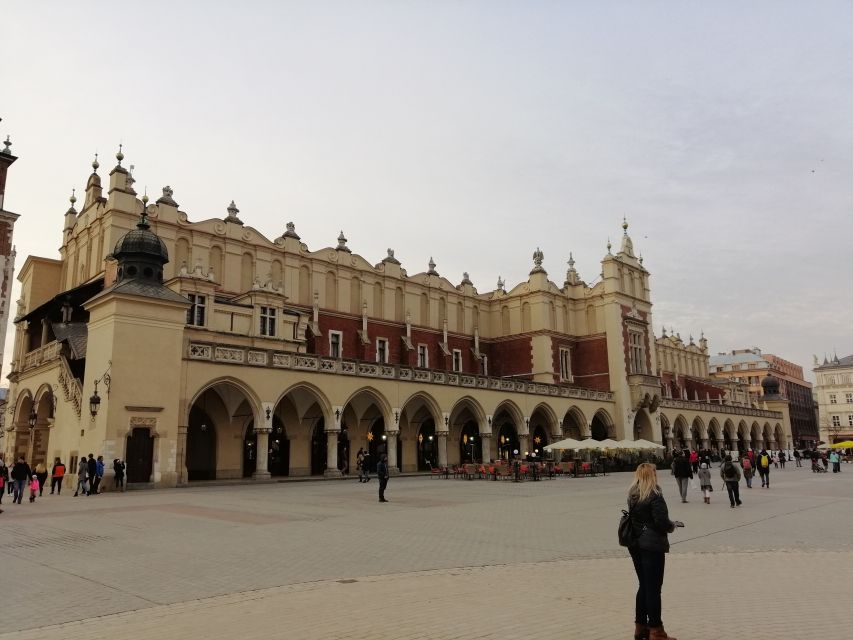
<point x="691" y="405"/>
<point x="42" y="355"/>
<point x="232" y="354"/>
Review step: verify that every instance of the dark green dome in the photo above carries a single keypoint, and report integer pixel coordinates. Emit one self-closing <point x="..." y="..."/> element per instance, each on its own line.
<point x="142" y="241"/>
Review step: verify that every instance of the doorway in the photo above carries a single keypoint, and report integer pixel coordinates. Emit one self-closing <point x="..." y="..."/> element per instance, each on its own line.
<point x="139" y="455"/>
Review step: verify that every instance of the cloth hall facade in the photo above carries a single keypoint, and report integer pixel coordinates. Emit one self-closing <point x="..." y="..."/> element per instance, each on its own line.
<point x="205" y="343"/>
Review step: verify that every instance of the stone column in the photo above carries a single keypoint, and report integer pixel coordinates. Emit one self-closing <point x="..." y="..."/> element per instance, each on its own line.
<point x="332" y="470"/>
<point x="263" y="454"/>
<point x="442" y="448"/>
<point x="180" y="455"/>
<point x="486" y="446"/>
<point x="706" y="443"/>
<point x="523" y="444"/>
<point x="391" y="450"/>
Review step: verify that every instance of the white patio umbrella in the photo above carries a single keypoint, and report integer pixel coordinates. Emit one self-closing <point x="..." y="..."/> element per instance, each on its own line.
<point x="561" y="445"/>
<point x="640" y="444"/>
<point x="592" y="445"/>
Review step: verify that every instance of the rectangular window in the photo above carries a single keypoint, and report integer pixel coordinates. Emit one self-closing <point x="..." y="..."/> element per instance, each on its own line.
<point x="336" y="339"/>
<point x="836" y="421"/>
<point x="382" y="350"/>
<point x="195" y="314"/>
<point x="457" y="360"/>
<point x="636" y="352"/>
<point x="423" y="356"/>
<point x="832" y="399"/>
<point x="751" y="365"/>
<point x="268" y="321"/>
<point x="565" y="364"/>
<point x="485" y="365"/>
<point x="850" y="419"/>
<point x="735" y="367"/>
<point x="848" y="398"/>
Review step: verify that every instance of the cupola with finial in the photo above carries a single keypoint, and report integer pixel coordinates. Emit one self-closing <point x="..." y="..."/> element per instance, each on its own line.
<point x="141" y="253"/>
<point x="432" y="271"/>
<point x="342" y="243"/>
<point x="627" y="248"/>
<point x="93" y="185"/>
<point x="70" y="215"/>
<point x="572" y="277"/>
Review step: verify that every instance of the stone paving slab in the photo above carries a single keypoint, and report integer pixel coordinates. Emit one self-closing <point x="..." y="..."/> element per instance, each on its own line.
<point x="444" y="559"/>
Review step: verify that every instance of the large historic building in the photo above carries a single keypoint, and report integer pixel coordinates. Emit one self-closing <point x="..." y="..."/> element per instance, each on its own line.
<point x="187" y="347"/>
<point x="834" y="392"/>
<point x="750" y="366"/>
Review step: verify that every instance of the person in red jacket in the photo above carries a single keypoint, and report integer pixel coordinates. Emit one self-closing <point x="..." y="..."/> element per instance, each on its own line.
<point x="56" y="476"/>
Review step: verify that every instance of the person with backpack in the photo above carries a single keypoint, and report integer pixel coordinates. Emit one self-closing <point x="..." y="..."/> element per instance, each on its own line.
<point x="748" y="471"/>
<point x="764" y="468"/>
<point x="730" y="474"/>
<point x="683" y="473"/>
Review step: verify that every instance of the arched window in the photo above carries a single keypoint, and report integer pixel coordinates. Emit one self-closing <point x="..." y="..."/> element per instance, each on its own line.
<point x="442" y="311"/>
<point x="591" y="325"/>
<point x="505" y="327"/>
<point x="331" y="290"/>
<point x="565" y="314"/>
<point x="355" y="295"/>
<point x="552" y="316"/>
<point x="460" y="317"/>
<point x="247" y="272"/>
<point x="399" y="305"/>
<point x="424" y="316"/>
<point x="305" y="293"/>
<point x="475" y="316"/>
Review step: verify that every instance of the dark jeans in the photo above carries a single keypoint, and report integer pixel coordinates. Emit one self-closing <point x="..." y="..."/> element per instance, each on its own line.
<point x="119" y="482"/>
<point x="56" y="485"/>
<point x="383" y="482"/>
<point x="733" y="487"/>
<point x="649" y="566"/>
<point x="765" y="476"/>
<point x="683" y="483"/>
<point x="95" y="484"/>
<point x="20" y="485"/>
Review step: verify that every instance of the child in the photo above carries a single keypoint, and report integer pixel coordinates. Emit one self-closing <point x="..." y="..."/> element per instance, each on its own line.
<point x="705" y="482"/>
<point x="34" y="488"/>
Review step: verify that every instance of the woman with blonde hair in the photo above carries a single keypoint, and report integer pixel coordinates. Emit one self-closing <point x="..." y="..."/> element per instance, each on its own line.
<point x="650" y="524"/>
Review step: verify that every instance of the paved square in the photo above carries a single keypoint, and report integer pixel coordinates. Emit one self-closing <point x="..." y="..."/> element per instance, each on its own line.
<point x="444" y="559"/>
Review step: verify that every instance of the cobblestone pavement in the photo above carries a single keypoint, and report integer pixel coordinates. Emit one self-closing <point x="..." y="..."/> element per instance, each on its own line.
<point x="444" y="559"/>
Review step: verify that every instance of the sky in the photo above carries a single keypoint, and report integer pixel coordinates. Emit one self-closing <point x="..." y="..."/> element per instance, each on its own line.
<point x="473" y="133"/>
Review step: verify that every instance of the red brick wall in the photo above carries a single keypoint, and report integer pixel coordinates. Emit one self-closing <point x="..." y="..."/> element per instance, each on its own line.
<point x="589" y="363"/>
<point x="509" y="357"/>
<point x="687" y="386"/>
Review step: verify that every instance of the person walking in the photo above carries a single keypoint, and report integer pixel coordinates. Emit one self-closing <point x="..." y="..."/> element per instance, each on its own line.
<point x="56" y="476"/>
<point x="4" y="475"/>
<point x="41" y="474"/>
<point x="764" y="468"/>
<point x="21" y="474"/>
<point x="748" y="471"/>
<point x="382" y="474"/>
<point x="798" y="458"/>
<point x="683" y="473"/>
<point x="359" y="464"/>
<point x="118" y="468"/>
<point x="705" y="482"/>
<point x="730" y="474"/>
<point x="651" y="524"/>
<point x="782" y="458"/>
<point x="99" y="474"/>
<point x="694" y="460"/>
<point x="82" y="474"/>
<point x="34" y="487"/>
<point x="9" y="483"/>
<point x="91" y="473"/>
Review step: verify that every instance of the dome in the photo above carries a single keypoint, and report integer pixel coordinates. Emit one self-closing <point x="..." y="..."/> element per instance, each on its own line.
<point x="142" y="242"/>
<point x="770" y="386"/>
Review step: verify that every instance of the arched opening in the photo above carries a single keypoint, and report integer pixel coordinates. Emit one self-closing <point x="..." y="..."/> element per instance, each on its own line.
<point x="643" y="426"/>
<point x="139" y="455"/>
<point x="539" y="441"/>
<point x="201" y="446"/>
<point x="364" y="419"/>
<point x="469" y="442"/>
<point x="742" y="437"/>
<point x="601" y="424"/>
<point x="355" y="296"/>
<point x="318" y="448"/>
<point x="377" y="441"/>
<point x="680" y="432"/>
<point x="427" y="446"/>
<point x="728" y="435"/>
<point x="505" y="427"/>
<point x="574" y="424"/>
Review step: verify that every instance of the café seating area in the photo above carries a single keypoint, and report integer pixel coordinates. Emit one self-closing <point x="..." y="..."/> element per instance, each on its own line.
<point x="518" y="471"/>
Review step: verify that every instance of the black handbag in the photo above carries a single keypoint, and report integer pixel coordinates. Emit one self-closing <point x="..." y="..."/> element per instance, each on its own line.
<point x="626" y="528"/>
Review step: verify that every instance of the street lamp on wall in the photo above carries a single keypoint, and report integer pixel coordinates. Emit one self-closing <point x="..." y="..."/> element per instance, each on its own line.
<point x="95" y="399"/>
<point x="32" y="419"/>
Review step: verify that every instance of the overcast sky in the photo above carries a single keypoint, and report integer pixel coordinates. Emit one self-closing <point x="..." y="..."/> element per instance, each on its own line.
<point x="473" y="132"/>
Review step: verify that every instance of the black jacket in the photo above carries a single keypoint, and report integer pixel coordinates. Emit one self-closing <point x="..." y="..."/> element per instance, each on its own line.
<point x="92" y="467"/>
<point x="21" y="471"/>
<point x="650" y="520"/>
<point x="382" y="469"/>
<point x="681" y="467"/>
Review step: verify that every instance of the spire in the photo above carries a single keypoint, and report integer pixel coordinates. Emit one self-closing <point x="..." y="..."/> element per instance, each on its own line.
<point x="232" y="214"/>
<point x="627" y="247"/>
<point x="609" y="246"/>
<point x="73" y="197"/>
<point x="571" y="274"/>
<point x="95" y="163"/>
<point x="6" y="144"/>
<point x="624" y="225"/>
<point x="663" y="335"/>
<point x="500" y="284"/>
<point x="119" y="155"/>
<point x="143" y="218"/>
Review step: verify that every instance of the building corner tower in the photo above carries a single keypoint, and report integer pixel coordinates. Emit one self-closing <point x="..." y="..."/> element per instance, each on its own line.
<point x="7" y="250"/>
